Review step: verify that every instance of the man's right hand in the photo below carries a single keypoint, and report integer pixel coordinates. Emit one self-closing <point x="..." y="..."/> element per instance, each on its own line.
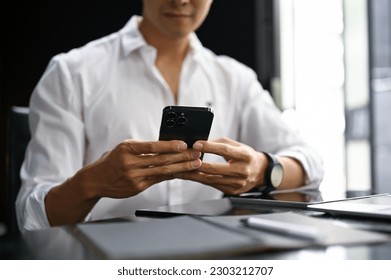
<point x="133" y="166"/>
<point x="130" y="168"/>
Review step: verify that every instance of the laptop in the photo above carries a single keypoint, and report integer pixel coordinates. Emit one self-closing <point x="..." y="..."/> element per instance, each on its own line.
<point x="285" y="199"/>
<point x="214" y="207"/>
<point x="250" y="203"/>
<point x="372" y="206"/>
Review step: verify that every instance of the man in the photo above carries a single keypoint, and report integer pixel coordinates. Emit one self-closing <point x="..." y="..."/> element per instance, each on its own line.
<point x="95" y="116"/>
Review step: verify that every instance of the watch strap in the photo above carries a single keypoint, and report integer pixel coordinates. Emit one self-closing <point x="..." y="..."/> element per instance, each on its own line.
<point x="272" y="161"/>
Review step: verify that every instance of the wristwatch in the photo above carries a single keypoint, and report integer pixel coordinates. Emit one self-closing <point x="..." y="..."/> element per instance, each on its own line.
<point x="274" y="173"/>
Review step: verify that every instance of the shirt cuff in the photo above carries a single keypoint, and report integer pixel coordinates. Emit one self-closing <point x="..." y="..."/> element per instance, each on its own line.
<point x="313" y="165"/>
<point x="35" y="213"/>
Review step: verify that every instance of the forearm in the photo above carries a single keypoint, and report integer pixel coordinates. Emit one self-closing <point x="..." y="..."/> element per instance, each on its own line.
<point x="294" y="174"/>
<point x="68" y="203"/>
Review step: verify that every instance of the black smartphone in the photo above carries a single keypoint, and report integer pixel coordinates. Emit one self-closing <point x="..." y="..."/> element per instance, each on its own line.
<point x="186" y="123"/>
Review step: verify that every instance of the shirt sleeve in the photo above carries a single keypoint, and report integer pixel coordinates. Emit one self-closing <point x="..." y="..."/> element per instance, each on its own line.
<point x="263" y="128"/>
<point x="56" y="149"/>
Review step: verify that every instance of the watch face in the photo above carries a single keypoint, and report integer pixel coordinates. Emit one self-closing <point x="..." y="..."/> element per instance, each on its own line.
<point x="277" y="175"/>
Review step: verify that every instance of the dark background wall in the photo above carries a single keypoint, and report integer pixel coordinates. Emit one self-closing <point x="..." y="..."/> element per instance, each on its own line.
<point x="33" y="31"/>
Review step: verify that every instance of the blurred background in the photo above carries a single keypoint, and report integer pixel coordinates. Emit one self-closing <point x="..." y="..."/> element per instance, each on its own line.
<point x="327" y="64"/>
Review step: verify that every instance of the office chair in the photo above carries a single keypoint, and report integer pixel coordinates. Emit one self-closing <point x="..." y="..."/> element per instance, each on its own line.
<point x="18" y="136"/>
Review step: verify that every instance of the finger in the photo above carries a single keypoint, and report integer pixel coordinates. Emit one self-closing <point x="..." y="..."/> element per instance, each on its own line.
<point x="165" y="159"/>
<point x="154" y="147"/>
<point x="228" y="185"/>
<point x="220" y="168"/>
<point x="227" y="140"/>
<point x="169" y="169"/>
<point x="224" y="140"/>
<point x="207" y="179"/>
<point x="222" y="149"/>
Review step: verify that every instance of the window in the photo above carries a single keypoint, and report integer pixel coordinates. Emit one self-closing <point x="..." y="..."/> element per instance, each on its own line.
<point x="312" y="81"/>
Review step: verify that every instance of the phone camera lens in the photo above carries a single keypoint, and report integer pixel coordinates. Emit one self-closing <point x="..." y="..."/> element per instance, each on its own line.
<point x="171" y="115"/>
<point x="182" y="119"/>
<point x="170" y="122"/>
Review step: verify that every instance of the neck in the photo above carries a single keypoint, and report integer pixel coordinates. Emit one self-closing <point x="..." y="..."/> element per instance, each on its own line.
<point x="171" y="52"/>
<point x="167" y="47"/>
<point x="171" y="49"/>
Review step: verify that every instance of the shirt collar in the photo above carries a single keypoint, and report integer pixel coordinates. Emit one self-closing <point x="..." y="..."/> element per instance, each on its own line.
<point x="132" y="39"/>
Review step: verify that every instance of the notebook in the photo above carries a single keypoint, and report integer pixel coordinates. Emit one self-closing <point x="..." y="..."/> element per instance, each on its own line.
<point x="182" y="237"/>
<point x="372" y="206"/>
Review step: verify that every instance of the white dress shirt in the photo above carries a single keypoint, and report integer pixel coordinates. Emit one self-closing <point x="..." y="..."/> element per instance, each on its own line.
<point x="92" y="98"/>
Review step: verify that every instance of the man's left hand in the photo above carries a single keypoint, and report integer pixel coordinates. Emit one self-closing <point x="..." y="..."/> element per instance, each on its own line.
<point x="243" y="170"/>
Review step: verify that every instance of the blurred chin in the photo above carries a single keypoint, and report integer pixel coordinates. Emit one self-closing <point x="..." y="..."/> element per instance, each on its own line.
<point x="178" y="32"/>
